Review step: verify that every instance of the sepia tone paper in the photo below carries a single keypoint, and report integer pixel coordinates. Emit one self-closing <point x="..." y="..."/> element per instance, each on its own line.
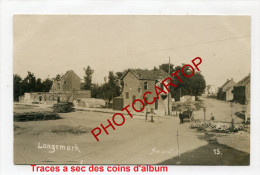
<point x="203" y="121"/>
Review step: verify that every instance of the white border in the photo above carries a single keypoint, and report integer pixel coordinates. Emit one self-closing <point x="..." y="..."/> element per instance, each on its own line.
<point x="8" y="8"/>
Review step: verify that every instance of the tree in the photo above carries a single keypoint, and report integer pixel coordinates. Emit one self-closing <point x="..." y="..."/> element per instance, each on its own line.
<point x="97" y="91"/>
<point x="38" y="87"/>
<point x="111" y="89"/>
<point x="194" y="85"/>
<point x="46" y="85"/>
<point x="29" y="83"/>
<point x="198" y="84"/>
<point x="114" y="84"/>
<point x="119" y="82"/>
<point x="17" y="87"/>
<point x="165" y="67"/>
<point x="88" y="78"/>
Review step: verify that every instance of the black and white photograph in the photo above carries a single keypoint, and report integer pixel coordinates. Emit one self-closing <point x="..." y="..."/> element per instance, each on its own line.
<point x="131" y="89"/>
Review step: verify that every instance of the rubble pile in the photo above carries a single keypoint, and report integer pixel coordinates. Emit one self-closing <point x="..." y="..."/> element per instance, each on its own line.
<point x="89" y="103"/>
<point x="218" y="126"/>
<point x="34" y="116"/>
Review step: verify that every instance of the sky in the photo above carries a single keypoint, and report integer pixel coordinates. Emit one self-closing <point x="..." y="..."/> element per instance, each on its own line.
<point x="48" y="45"/>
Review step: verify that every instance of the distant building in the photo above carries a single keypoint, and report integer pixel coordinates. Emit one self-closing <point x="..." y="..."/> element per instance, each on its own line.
<point x="64" y="89"/>
<point x="139" y="81"/>
<point x="70" y="81"/>
<point x="187" y="98"/>
<point x="242" y="91"/>
<point x="210" y="90"/>
<point x="225" y="92"/>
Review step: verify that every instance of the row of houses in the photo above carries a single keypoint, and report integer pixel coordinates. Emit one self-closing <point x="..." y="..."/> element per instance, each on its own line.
<point x="67" y="88"/>
<point x="137" y="82"/>
<point x="236" y="92"/>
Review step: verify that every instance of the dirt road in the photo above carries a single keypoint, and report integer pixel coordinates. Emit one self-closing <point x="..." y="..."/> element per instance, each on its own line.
<point x="221" y="110"/>
<point x="135" y="142"/>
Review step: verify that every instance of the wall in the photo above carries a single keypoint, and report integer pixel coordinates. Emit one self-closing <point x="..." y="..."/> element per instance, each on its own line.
<point x="118" y="103"/>
<point x="242" y="94"/>
<point x="70" y="82"/>
<point x="45" y="97"/>
<point x="229" y="94"/>
<point x="239" y="94"/>
<point x="225" y="93"/>
<point x="131" y="85"/>
<point x="74" y="80"/>
<point x="248" y="85"/>
<point x="81" y="94"/>
<point x="149" y="97"/>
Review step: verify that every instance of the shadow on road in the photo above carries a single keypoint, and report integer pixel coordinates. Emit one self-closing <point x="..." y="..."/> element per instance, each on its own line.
<point x="211" y="154"/>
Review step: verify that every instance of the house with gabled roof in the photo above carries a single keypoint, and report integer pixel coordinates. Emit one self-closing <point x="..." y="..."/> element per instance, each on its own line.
<point x="226" y="90"/>
<point x="139" y="81"/>
<point x="70" y="81"/>
<point x="210" y="90"/>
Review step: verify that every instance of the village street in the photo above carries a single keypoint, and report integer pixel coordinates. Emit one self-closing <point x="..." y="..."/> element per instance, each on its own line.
<point x="221" y="110"/>
<point x="136" y="142"/>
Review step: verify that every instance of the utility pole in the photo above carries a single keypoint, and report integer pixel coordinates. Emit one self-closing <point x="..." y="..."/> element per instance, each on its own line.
<point x="204" y="109"/>
<point x="232" y="118"/>
<point x="169" y="71"/>
<point x="178" y="143"/>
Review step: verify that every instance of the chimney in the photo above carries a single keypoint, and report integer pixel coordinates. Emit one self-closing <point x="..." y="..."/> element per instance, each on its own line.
<point x="231" y="79"/>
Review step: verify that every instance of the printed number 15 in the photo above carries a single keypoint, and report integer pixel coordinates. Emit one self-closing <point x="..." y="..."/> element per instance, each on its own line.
<point x="216" y="151"/>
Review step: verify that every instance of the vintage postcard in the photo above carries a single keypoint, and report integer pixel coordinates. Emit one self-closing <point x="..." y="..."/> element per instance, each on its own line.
<point x="131" y="89"/>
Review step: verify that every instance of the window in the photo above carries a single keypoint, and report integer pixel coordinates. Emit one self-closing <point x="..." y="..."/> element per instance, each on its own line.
<point x="139" y="90"/>
<point x="156" y="103"/>
<point x="127" y="95"/>
<point x="146" y="98"/>
<point x="65" y="82"/>
<point x="145" y="85"/>
<point x="134" y="98"/>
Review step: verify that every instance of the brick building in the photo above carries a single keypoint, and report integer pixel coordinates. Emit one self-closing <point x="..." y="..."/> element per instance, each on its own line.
<point x="70" y="81"/>
<point x="139" y="81"/>
<point x="65" y="89"/>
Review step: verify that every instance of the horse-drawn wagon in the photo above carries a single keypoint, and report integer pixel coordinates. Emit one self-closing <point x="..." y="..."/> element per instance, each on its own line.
<point x="185" y="114"/>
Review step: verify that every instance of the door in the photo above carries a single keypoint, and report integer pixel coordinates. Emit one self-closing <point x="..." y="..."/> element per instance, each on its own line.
<point x="156" y="103"/>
